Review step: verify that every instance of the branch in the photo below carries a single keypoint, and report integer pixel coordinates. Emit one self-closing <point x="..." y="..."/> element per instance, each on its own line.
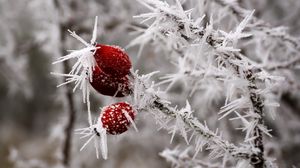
<point x="196" y="125"/>
<point x="186" y="29"/>
<point x="257" y="104"/>
<point x="285" y="65"/>
<point x="151" y="101"/>
<point x="261" y="25"/>
<point x="183" y="159"/>
<point x="71" y="110"/>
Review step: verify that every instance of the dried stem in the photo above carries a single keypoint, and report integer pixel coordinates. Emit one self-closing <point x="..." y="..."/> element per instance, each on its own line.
<point x="71" y="110"/>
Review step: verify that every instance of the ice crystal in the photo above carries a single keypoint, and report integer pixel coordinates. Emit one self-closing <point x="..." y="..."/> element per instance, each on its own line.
<point x="82" y="71"/>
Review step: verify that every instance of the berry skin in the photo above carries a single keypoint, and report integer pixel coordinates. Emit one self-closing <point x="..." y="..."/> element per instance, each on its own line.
<point x="109" y="85"/>
<point x="112" y="60"/>
<point x="113" y="118"/>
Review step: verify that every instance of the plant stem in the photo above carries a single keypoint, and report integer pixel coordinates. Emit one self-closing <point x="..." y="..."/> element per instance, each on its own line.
<point x="71" y="116"/>
<point x="70" y="106"/>
<point x="257" y="104"/>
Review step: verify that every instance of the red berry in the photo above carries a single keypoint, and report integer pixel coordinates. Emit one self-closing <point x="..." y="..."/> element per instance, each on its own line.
<point x="113" y="117"/>
<point x="112" y="60"/>
<point x="108" y="85"/>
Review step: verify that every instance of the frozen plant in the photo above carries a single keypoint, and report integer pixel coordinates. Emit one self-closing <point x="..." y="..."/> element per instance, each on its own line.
<point x="205" y="55"/>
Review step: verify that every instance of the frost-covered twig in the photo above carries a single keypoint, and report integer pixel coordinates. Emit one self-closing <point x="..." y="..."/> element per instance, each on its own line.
<point x="258" y="105"/>
<point x="180" y="159"/>
<point x="150" y="101"/>
<point x="95" y="132"/>
<point x="202" y="130"/>
<point x="174" y="28"/>
<point x="260" y="24"/>
<point x="284" y="65"/>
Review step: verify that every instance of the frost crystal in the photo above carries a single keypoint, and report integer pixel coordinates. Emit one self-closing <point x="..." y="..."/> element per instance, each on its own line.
<point x="81" y="74"/>
<point x="97" y="133"/>
<point x="82" y="71"/>
<point x="207" y="56"/>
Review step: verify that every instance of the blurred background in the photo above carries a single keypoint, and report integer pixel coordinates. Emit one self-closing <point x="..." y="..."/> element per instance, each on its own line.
<point x="34" y="112"/>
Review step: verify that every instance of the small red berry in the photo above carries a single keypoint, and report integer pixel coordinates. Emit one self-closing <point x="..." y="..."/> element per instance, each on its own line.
<point x="112" y="60"/>
<point x="114" y="118"/>
<point x="109" y="85"/>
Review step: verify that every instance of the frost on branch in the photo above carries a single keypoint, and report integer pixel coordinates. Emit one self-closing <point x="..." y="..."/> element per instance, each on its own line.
<point x="183" y="158"/>
<point x="224" y="71"/>
<point x="82" y="70"/>
<point x="203" y="53"/>
<point x="184" y="122"/>
<point x="95" y="133"/>
<point x="81" y="74"/>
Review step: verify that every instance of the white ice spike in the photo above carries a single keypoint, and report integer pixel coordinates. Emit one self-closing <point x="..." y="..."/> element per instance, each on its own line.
<point x="82" y="69"/>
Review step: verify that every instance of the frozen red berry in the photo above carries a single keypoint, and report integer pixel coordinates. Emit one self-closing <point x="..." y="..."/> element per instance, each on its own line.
<point x="115" y="118"/>
<point x="112" y="60"/>
<point x="109" y="85"/>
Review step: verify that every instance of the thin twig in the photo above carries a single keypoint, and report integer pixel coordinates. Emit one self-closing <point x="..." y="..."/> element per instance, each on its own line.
<point x="71" y="111"/>
<point x="261" y="25"/>
<point x="256" y="158"/>
<point x="200" y="129"/>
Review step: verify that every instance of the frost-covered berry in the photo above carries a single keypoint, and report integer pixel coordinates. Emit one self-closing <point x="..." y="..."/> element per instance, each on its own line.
<point x="109" y="85"/>
<point x="112" y="60"/>
<point x="116" y="118"/>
